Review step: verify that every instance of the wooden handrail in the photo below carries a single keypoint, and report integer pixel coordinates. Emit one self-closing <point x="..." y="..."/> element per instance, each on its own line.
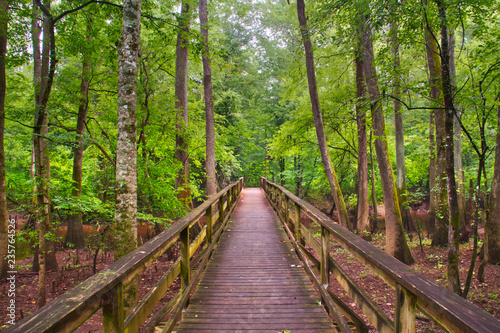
<point x="413" y="290"/>
<point x="104" y="289"/>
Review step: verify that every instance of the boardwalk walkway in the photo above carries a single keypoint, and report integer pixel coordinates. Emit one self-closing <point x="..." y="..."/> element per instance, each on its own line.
<point x="254" y="281"/>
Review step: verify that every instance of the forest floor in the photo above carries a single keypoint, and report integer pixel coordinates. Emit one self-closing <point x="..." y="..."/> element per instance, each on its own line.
<point x="431" y="262"/>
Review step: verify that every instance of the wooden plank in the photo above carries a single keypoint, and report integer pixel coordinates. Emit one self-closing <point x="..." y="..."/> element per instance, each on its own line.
<point x="113" y="315"/>
<point x="254" y="279"/>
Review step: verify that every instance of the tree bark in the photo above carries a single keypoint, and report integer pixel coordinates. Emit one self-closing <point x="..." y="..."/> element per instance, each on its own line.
<point x="44" y="76"/>
<point x="457" y="131"/>
<point x="440" y="235"/>
<point x="318" y="119"/>
<point x="181" y="139"/>
<point x="454" y="212"/>
<point x="75" y="234"/>
<point x="209" y="103"/>
<point x="492" y="227"/>
<point x="396" y="244"/>
<point x="399" y="129"/>
<point x="363" y="211"/>
<point x="4" y="214"/>
<point x="126" y="151"/>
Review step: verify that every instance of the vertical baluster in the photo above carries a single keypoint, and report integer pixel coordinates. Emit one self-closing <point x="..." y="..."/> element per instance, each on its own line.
<point x="209" y="224"/>
<point x="325" y="252"/>
<point x="221" y="209"/>
<point x="287" y="214"/>
<point x="185" y="267"/>
<point x="405" y="313"/>
<point x="297" y="222"/>
<point x="113" y="316"/>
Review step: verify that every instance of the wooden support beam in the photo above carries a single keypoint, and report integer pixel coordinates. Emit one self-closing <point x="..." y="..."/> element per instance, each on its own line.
<point x="209" y="224"/>
<point x="405" y="313"/>
<point x="113" y="315"/>
<point x="325" y="254"/>
<point x="185" y="256"/>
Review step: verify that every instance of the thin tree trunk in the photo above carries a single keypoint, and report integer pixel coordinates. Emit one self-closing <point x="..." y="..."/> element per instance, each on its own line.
<point x="396" y="244"/>
<point x="440" y="236"/>
<point x="454" y="212"/>
<point x="399" y="129"/>
<point x="209" y="103"/>
<point x="372" y="180"/>
<point x="181" y="140"/>
<point x="457" y="131"/>
<point x="44" y="76"/>
<point x="4" y="215"/>
<point x="126" y="151"/>
<point x="432" y="173"/>
<point x="492" y="227"/>
<point x="75" y="234"/>
<point x="363" y="211"/>
<point x="318" y="119"/>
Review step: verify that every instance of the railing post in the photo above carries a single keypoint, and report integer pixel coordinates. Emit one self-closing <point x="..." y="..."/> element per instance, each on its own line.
<point x="209" y="224"/>
<point x="113" y="315"/>
<point x="185" y="267"/>
<point x="325" y="253"/>
<point x="297" y="222"/>
<point x="221" y="209"/>
<point x="287" y="214"/>
<point x="405" y="313"/>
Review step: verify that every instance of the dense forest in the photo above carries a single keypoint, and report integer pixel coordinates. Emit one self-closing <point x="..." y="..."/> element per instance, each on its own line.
<point x="114" y="114"/>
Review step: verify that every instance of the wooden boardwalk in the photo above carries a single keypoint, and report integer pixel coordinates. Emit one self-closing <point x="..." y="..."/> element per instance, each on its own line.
<point x="254" y="282"/>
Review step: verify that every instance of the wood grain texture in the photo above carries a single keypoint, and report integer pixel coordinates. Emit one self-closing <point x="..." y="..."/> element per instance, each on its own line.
<point x="254" y="281"/>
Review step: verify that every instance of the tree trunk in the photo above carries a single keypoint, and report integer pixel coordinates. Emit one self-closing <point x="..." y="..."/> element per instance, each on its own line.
<point x="432" y="172"/>
<point x="363" y="211"/>
<point x="209" y="103"/>
<point x="43" y="78"/>
<point x="4" y="214"/>
<point x="181" y="140"/>
<point x="396" y="244"/>
<point x="454" y="212"/>
<point x="126" y="151"/>
<point x="440" y="236"/>
<point x="318" y="119"/>
<point x="457" y="131"/>
<point x="372" y="180"/>
<point x="75" y="234"/>
<point x="400" y="144"/>
<point x="492" y="227"/>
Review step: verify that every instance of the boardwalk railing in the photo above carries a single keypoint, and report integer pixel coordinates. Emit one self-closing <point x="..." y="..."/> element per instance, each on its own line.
<point x="105" y="289"/>
<point x="412" y="290"/>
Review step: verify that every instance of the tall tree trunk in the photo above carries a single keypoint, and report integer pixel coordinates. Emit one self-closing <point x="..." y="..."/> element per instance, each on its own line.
<point x="44" y="76"/>
<point x="396" y="244"/>
<point x="454" y="212"/>
<point x="363" y="211"/>
<point x="432" y="172"/>
<point x="4" y="215"/>
<point x="372" y="180"/>
<point x="75" y="234"/>
<point x="400" y="144"/>
<point x="209" y="103"/>
<point x="492" y="227"/>
<point x="126" y="151"/>
<point x="440" y="236"/>
<point x="318" y="119"/>
<point x="181" y="140"/>
<point x="457" y="131"/>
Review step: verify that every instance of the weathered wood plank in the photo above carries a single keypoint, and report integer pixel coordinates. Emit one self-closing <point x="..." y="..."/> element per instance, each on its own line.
<point x="254" y="279"/>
